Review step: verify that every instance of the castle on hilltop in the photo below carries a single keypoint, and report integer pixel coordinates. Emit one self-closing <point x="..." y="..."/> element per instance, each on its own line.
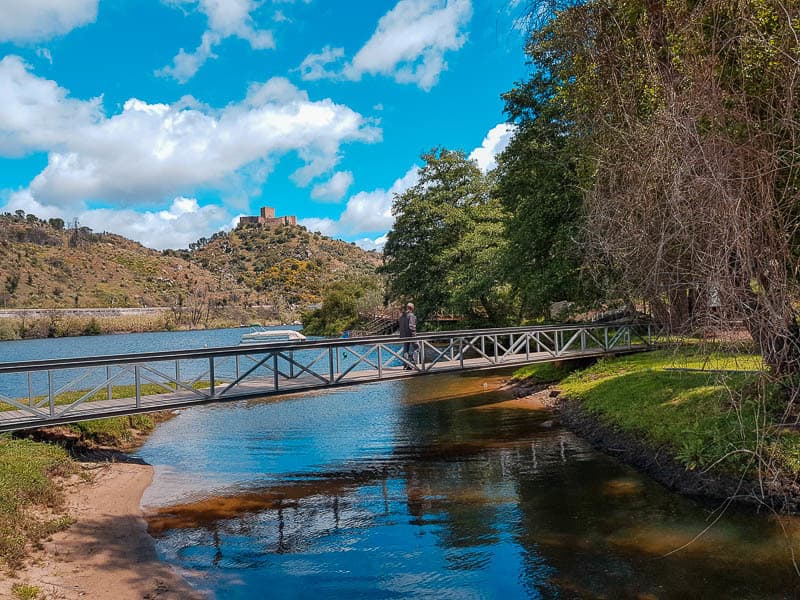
<point x="267" y="217"/>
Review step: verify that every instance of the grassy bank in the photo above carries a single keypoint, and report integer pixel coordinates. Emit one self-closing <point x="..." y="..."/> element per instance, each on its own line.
<point x="33" y="473"/>
<point x="713" y="413"/>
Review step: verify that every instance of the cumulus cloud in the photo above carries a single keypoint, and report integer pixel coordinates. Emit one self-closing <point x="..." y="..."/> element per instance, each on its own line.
<point x="493" y="144"/>
<point x="182" y="223"/>
<point x="327" y="227"/>
<point x="409" y="45"/>
<point x="226" y="18"/>
<point x="335" y="188"/>
<point x="365" y="211"/>
<point x="150" y="151"/>
<point x="314" y="66"/>
<point x="37" y="20"/>
<point x="372" y="244"/>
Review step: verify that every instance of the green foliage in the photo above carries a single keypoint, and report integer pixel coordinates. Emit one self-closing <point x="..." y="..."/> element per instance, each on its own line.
<point x="114" y="431"/>
<point x="341" y="304"/>
<point x="23" y="591"/>
<point x="444" y="250"/>
<point x="26" y="470"/>
<point x="92" y="328"/>
<point x="701" y="417"/>
<point x="537" y="184"/>
<point x="549" y="372"/>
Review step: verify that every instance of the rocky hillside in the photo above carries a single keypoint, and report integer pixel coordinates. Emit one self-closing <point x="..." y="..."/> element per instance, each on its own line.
<point x="45" y="265"/>
<point x="283" y="262"/>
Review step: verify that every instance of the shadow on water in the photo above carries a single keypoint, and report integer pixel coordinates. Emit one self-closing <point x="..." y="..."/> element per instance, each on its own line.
<point x="406" y="488"/>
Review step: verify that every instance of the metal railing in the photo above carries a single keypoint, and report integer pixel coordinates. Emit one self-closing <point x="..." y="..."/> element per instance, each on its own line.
<point x="47" y="392"/>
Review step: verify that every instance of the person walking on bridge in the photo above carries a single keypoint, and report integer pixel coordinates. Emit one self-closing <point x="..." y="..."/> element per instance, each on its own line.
<point x="408" y="328"/>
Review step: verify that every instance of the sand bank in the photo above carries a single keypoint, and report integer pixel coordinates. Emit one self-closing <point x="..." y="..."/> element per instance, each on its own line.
<point x="107" y="553"/>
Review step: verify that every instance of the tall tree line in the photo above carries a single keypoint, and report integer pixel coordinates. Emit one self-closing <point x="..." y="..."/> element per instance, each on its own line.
<point x="655" y="158"/>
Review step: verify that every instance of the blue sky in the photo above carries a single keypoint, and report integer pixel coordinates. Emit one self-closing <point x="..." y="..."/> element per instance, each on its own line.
<point x="164" y="120"/>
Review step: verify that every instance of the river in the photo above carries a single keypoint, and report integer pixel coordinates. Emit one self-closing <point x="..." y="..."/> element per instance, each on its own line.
<point x="438" y="486"/>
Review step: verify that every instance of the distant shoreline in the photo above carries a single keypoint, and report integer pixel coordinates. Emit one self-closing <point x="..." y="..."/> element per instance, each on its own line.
<point x="37" y="313"/>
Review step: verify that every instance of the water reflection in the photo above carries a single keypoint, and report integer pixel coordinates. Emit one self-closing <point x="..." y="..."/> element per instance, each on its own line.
<point x="416" y="488"/>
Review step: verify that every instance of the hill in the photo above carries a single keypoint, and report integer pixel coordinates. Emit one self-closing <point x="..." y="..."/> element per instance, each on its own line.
<point x="44" y="265"/>
<point x="282" y="263"/>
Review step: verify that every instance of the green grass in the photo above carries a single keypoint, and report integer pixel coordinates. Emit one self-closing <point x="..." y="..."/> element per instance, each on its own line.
<point x="23" y="591"/>
<point x="706" y="415"/>
<point x="115" y="431"/>
<point x="27" y="469"/>
<point x="549" y="372"/>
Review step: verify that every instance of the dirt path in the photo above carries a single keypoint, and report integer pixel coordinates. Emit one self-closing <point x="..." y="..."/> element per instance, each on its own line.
<point x="107" y="553"/>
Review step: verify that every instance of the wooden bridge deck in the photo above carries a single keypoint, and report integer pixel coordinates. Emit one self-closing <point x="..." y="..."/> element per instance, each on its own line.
<point x="230" y="374"/>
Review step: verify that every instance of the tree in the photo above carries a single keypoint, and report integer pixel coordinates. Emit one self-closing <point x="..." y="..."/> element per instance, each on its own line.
<point x="445" y="226"/>
<point x="56" y="223"/>
<point x="342" y="301"/>
<point x="537" y="183"/>
<point x="686" y="115"/>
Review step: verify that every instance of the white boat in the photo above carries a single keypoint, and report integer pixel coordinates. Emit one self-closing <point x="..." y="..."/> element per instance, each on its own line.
<point x="272" y="336"/>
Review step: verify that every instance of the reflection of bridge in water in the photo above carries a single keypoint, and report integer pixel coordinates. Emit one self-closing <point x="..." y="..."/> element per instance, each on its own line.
<point x="49" y="392"/>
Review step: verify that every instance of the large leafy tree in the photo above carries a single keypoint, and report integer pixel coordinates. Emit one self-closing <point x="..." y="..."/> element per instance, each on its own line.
<point x="537" y="184"/>
<point x="442" y="251"/>
<point x="687" y="117"/>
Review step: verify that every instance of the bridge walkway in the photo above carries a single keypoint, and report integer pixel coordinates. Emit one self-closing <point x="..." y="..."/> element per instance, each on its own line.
<point x="40" y="393"/>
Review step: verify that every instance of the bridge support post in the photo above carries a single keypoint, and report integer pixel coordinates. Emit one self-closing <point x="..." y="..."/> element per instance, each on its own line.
<point x="275" y="370"/>
<point x="137" y="383"/>
<point x="51" y="399"/>
<point x="330" y="365"/>
<point x="211" y="376"/>
<point x="109" y="389"/>
<point x="30" y="389"/>
<point x="380" y="361"/>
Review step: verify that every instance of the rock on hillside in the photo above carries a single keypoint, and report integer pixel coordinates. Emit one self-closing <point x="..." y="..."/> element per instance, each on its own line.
<point x="283" y="262"/>
<point x="44" y="265"/>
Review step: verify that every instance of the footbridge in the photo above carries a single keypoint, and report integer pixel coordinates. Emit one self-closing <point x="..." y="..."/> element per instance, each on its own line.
<point x="50" y="392"/>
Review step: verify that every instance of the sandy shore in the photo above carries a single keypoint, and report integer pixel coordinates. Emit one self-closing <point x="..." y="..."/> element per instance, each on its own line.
<point x="107" y="553"/>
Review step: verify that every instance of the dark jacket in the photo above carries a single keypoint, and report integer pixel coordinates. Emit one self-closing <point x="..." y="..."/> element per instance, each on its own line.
<point x="408" y="324"/>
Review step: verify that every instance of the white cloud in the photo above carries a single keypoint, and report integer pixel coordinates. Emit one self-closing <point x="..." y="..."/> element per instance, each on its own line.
<point x="186" y="64"/>
<point x="36" y="20"/>
<point x="409" y="44"/>
<point x="226" y="18"/>
<point x="45" y="54"/>
<point x="372" y="244"/>
<point x="151" y="151"/>
<point x="327" y="227"/>
<point x="333" y="189"/>
<point x="314" y="66"/>
<point x="493" y="144"/>
<point x="184" y="222"/>
<point x="411" y="40"/>
<point x="24" y="200"/>
<point x="365" y="211"/>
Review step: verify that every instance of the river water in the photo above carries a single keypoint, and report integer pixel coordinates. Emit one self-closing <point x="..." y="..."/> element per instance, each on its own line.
<point x="439" y="486"/>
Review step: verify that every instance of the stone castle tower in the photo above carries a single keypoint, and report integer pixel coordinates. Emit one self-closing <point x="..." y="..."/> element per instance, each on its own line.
<point x="267" y="217"/>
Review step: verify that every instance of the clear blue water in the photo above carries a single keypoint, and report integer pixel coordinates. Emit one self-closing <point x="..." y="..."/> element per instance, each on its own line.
<point x="416" y="489"/>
